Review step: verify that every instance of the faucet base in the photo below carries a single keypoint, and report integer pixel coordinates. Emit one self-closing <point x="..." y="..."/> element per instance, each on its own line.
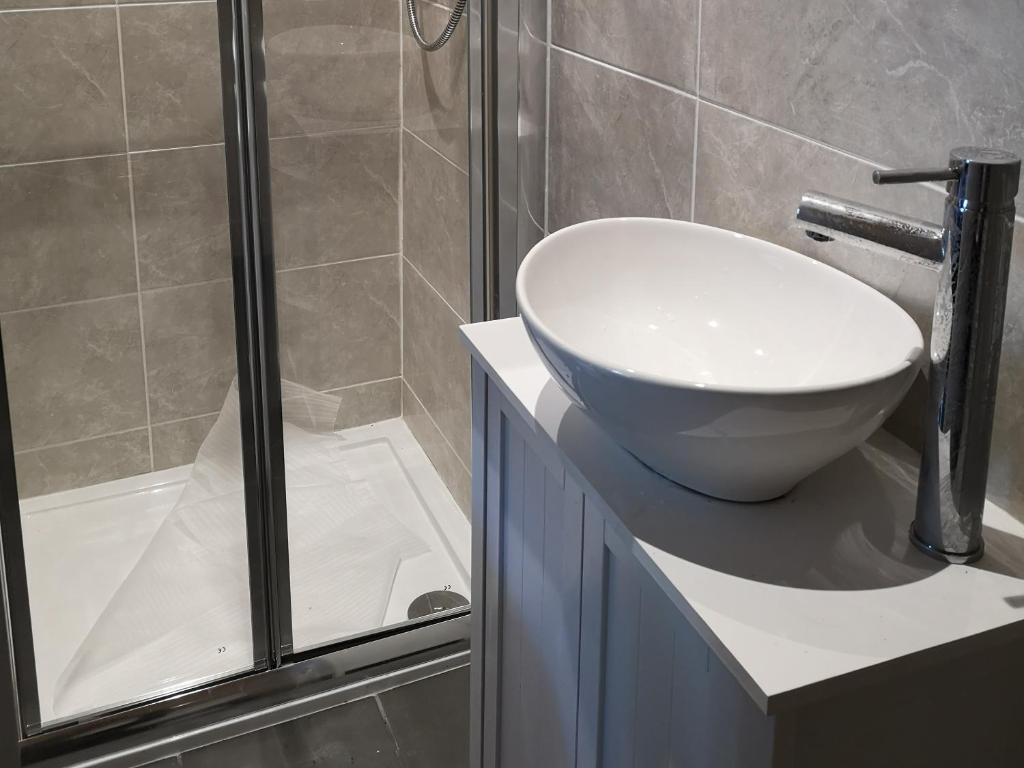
<point x="953" y="558"/>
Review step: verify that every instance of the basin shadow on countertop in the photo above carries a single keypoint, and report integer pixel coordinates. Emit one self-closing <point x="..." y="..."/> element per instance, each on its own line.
<point x="843" y="528"/>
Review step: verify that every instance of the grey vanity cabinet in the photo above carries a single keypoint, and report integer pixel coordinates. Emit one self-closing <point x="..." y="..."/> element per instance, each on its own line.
<point x="582" y="657"/>
<point x="584" y="660"/>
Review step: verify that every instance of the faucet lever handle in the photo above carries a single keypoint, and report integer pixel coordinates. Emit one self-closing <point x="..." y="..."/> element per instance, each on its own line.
<point x="912" y="175"/>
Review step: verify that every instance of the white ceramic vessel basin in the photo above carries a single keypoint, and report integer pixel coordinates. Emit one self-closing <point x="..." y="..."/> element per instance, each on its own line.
<point x="730" y="365"/>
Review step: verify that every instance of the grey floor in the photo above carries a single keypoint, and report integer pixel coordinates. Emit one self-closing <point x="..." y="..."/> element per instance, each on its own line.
<point x="420" y="725"/>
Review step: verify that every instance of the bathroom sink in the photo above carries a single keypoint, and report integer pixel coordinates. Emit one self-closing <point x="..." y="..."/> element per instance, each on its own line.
<point x="727" y="364"/>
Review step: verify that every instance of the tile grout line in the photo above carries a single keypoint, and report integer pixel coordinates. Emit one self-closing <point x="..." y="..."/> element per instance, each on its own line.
<point x="401" y="198"/>
<point x="444" y="437"/>
<point x="461" y="319"/>
<point x="437" y="152"/>
<point x="103" y="6"/>
<point x="135" y="235"/>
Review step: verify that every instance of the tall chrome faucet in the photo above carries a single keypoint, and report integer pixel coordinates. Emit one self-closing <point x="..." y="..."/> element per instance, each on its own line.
<point x="973" y="245"/>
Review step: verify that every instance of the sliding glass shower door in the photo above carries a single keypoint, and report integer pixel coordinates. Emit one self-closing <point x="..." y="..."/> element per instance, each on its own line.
<point x="234" y="410"/>
<point x="116" y="311"/>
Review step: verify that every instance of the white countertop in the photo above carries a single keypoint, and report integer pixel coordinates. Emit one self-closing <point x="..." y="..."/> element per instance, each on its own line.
<point x="798" y="597"/>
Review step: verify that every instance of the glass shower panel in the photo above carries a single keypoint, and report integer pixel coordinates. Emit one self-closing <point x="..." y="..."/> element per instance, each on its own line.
<point x="369" y="190"/>
<point x="116" y="313"/>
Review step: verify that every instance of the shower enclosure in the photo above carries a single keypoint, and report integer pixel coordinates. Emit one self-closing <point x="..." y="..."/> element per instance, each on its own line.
<point x="237" y="238"/>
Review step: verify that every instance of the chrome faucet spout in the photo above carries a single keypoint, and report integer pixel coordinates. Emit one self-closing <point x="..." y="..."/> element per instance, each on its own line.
<point x="829" y="216"/>
<point x="974" y="245"/>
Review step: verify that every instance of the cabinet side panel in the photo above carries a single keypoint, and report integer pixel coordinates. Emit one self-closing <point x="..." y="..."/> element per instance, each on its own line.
<point x="487" y="571"/>
<point x="510" y="729"/>
<point x="655" y="660"/>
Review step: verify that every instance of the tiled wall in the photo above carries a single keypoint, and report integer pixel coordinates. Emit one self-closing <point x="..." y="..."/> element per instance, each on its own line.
<point x="115" y="303"/>
<point x="435" y="247"/>
<point x="724" y="112"/>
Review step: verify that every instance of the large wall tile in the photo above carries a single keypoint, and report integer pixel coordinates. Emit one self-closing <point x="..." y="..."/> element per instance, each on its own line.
<point x="331" y="65"/>
<point x="177" y="442"/>
<point x="172" y="75"/>
<point x="76" y="465"/>
<point x="190" y="349"/>
<point x="436" y="99"/>
<point x="750" y="178"/>
<point x="897" y="81"/>
<point x="368" y="403"/>
<point x="436" y="222"/>
<point x="66" y="232"/>
<point x="60" y="85"/>
<point x="181" y="216"/>
<point x="619" y="146"/>
<point x="436" y="364"/>
<point x="1006" y="476"/>
<point x="334" y="197"/>
<point x="74" y="371"/>
<point x="447" y="463"/>
<point x="656" y="38"/>
<point x="339" y="324"/>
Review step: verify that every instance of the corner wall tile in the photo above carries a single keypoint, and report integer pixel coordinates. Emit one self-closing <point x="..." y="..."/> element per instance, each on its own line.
<point x="339" y="324"/>
<point x="334" y="197"/>
<point x="60" y="85"/>
<point x="368" y="403"/>
<point x="887" y="79"/>
<point x="66" y="233"/>
<point x="332" y="65"/>
<point x="190" y="349"/>
<point x="445" y="461"/>
<point x="63" y="467"/>
<point x="620" y="146"/>
<point x="172" y="75"/>
<point x="435" y="88"/>
<point x="74" y="371"/>
<point x="436" y="222"/>
<point x="436" y="364"/>
<point x="181" y="216"/>
<point x="178" y="442"/>
<point x="656" y="38"/>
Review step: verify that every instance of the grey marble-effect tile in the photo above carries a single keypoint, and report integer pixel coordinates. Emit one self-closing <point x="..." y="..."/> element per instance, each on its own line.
<point x="190" y="349"/>
<point x="354" y="734"/>
<point x="81" y="464"/>
<point x="335" y="197"/>
<point x="620" y="146"/>
<point x="449" y="468"/>
<point x="533" y="116"/>
<point x="331" y="65"/>
<point x="177" y="442"/>
<point x="897" y="81"/>
<point x="172" y="75"/>
<point x="436" y="364"/>
<point x="60" y="85"/>
<point x="436" y="222"/>
<point x="1006" y="474"/>
<point x="66" y="233"/>
<point x="435" y="89"/>
<point x="181" y="216"/>
<point x="750" y="178"/>
<point x="430" y="720"/>
<point x="74" y="371"/>
<point x="339" y="324"/>
<point x="655" y="38"/>
<point x="368" y="403"/>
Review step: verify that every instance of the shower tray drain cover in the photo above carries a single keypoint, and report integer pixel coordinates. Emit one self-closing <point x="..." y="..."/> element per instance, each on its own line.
<point x="435" y="602"/>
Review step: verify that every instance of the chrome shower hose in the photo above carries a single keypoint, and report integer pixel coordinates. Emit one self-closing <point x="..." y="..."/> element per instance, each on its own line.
<point x="445" y="36"/>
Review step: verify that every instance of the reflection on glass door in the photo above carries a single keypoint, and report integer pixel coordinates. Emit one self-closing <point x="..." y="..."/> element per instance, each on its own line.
<point x="368" y="148"/>
<point x="116" y="311"/>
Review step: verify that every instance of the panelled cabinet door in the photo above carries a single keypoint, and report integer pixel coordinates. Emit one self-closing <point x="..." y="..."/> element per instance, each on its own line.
<point x="534" y="552"/>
